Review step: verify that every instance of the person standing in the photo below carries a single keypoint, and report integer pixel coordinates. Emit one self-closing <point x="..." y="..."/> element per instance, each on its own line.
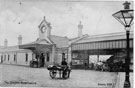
<point x="65" y="67"/>
<point x="85" y="66"/>
<point x="42" y="58"/>
<point x="37" y="59"/>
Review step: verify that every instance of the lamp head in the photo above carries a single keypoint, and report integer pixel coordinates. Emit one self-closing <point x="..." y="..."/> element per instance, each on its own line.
<point x="126" y="5"/>
<point x="126" y="16"/>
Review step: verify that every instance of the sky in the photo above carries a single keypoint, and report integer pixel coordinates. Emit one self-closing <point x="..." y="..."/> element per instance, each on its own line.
<point x="22" y="17"/>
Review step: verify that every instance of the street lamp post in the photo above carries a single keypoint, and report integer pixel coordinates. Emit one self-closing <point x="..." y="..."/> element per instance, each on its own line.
<point x="125" y="17"/>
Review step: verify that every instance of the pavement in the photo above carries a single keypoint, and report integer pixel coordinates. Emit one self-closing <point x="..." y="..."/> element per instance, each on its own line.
<point x="23" y="76"/>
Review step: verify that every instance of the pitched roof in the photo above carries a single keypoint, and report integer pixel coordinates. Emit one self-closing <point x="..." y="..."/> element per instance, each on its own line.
<point x="105" y="37"/>
<point x="12" y="49"/>
<point x="73" y="40"/>
<point x="54" y="39"/>
<point x="42" y="41"/>
<point x="60" y="41"/>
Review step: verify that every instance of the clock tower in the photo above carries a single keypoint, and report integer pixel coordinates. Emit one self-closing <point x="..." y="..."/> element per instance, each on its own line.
<point x="44" y="29"/>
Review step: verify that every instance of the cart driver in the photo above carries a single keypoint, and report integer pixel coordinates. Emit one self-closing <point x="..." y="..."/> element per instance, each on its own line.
<point x="65" y="66"/>
<point x="64" y="63"/>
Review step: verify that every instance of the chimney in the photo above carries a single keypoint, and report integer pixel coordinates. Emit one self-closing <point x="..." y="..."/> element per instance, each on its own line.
<point x="20" y="40"/>
<point x="80" y="27"/>
<point x="5" y="43"/>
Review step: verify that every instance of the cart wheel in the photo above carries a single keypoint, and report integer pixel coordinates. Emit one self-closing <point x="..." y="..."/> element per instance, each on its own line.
<point x="53" y="74"/>
<point x="66" y="75"/>
<point x="69" y="73"/>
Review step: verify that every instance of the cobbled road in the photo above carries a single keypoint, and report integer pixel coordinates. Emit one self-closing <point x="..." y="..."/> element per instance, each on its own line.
<point x="23" y="76"/>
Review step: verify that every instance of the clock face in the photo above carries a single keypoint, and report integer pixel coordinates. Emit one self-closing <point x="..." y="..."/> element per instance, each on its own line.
<point x="43" y="29"/>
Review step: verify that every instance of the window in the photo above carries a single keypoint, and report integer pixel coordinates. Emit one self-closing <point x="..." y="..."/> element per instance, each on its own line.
<point x="26" y="57"/>
<point x="14" y="57"/>
<point x="8" y="57"/>
<point x="75" y="55"/>
<point x="4" y="57"/>
<point x="47" y="56"/>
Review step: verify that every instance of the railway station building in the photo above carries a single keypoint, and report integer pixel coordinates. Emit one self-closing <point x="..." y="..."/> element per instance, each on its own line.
<point x="77" y="51"/>
<point x="53" y="47"/>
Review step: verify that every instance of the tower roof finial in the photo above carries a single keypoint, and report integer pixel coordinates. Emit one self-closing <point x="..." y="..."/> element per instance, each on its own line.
<point x="44" y="18"/>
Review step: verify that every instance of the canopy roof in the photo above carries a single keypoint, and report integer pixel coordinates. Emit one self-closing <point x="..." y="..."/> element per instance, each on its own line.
<point x="37" y="46"/>
<point x="104" y="37"/>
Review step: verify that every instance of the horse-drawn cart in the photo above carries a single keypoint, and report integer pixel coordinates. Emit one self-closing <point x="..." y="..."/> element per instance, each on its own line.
<point x="63" y="71"/>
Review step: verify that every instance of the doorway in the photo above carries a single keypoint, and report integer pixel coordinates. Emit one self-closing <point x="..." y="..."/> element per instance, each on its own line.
<point x="42" y="60"/>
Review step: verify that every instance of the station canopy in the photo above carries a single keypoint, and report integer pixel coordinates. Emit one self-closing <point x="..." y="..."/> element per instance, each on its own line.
<point x="38" y="46"/>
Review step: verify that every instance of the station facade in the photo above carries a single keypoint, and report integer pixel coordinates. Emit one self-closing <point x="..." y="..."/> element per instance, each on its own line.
<point x="77" y="51"/>
<point x="53" y="47"/>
